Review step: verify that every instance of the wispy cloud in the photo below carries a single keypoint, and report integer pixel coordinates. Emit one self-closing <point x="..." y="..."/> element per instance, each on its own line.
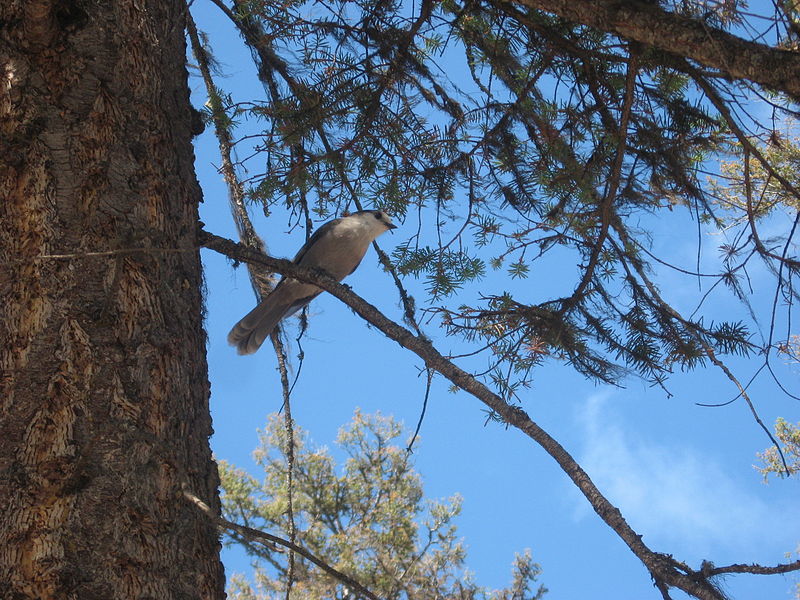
<point x="670" y="493"/>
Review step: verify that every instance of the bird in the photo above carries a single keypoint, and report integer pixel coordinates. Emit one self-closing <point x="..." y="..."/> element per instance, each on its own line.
<point x="337" y="248"/>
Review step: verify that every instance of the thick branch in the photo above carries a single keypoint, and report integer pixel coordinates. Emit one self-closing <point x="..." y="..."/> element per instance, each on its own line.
<point x="662" y="567"/>
<point x="693" y="38"/>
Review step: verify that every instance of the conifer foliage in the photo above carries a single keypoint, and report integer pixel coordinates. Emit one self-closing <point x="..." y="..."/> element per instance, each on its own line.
<point x="512" y="137"/>
<point x="367" y="517"/>
<point x="505" y="135"/>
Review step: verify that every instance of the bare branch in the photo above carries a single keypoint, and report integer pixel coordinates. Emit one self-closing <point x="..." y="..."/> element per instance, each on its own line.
<point x="756" y="569"/>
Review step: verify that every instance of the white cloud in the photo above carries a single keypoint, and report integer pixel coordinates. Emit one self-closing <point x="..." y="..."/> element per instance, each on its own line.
<point x="669" y="493"/>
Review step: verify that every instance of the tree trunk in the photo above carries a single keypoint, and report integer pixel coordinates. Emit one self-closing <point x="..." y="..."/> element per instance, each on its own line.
<point x="103" y="378"/>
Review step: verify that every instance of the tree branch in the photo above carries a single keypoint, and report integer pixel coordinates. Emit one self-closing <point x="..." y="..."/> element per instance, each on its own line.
<point x="756" y="569"/>
<point x="607" y="202"/>
<point x="662" y="567"/>
<point x="270" y="540"/>
<point x="649" y="24"/>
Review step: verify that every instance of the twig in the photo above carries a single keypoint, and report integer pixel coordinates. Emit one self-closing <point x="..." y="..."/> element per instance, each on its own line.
<point x="280" y="353"/>
<point x="607" y="202"/>
<point x="410" y="446"/>
<point x="713" y="95"/>
<point x="100" y="253"/>
<point x="756" y="569"/>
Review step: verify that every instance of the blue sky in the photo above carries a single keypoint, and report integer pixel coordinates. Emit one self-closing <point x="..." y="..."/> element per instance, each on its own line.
<point x="681" y="474"/>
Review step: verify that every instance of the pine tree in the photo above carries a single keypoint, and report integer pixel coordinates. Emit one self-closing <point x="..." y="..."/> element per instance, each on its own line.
<point x="367" y="517"/>
<point x="103" y="378"/>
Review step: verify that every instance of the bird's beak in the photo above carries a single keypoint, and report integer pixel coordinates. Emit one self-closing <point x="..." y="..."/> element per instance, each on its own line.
<point x="391" y="226"/>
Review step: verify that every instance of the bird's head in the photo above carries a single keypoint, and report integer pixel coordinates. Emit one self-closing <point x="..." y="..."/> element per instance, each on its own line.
<point x="377" y="220"/>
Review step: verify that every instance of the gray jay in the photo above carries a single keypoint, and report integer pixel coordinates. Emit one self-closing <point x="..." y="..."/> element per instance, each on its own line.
<point x="337" y="248"/>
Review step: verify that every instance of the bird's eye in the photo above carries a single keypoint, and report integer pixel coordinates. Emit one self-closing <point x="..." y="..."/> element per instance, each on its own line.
<point x="378" y="215"/>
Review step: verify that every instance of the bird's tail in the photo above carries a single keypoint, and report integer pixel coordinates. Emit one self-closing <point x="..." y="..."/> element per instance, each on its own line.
<point x="249" y="333"/>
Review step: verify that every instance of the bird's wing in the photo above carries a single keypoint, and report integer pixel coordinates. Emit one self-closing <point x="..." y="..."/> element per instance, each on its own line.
<point x="315" y="237"/>
<point x="356" y="265"/>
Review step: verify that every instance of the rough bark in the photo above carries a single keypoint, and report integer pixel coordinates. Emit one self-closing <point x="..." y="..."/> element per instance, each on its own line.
<point x="103" y="379"/>
<point x="695" y="39"/>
